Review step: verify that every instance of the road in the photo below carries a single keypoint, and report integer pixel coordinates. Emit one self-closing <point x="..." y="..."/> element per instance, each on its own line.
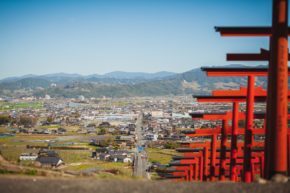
<point x="140" y="163"/>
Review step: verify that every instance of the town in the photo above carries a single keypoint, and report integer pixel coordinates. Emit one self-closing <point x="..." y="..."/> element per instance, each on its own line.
<point x="97" y="136"/>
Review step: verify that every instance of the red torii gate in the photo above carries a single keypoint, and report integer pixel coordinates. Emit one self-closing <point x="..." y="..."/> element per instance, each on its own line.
<point x="214" y="153"/>
<point x="236" y="97"/>
<point x="276" y="135"/>
<point x="193" y="156"/>
<point x="210" y="132"/>
<point x="199" y="161"/>
<point x="192" y="170"/>
<point x="250" y="92"/>
<point x="234" y="131"/>
<point x="196" y="161"/>
<point x="223" y="131"/>
<point x="224" y="117"/>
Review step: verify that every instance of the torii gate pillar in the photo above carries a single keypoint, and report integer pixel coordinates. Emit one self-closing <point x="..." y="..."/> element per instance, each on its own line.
<point x="277" y="104"/>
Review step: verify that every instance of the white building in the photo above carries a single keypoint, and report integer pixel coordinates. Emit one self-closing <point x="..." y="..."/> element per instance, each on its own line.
<point x="47" y="97"/>
<point x="28" y="156"/>
<point x="157" y="113"/>
<point x="81" y="98"/>
<point x="151" y="137"/>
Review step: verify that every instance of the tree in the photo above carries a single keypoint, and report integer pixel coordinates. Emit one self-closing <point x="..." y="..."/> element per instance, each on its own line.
<point x="4" y="119"/>
<point x="102" y="131"/>
<point x="27" y="121"/>
<point x="49" y="119"/>
<point x="109" y="141"/>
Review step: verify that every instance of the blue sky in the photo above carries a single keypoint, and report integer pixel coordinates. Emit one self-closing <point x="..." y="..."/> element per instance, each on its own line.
<point x="88" y="37"/>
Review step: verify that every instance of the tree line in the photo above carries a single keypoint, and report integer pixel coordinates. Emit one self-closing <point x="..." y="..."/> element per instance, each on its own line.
<point x="24" y="120"/>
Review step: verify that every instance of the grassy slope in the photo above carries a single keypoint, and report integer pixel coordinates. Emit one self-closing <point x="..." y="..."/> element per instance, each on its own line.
<point x="75" y="160"/>
<point x="162" y="156"/>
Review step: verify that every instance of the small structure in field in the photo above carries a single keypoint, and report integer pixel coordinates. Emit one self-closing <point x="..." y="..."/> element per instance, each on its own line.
<point x="48" y="158"/>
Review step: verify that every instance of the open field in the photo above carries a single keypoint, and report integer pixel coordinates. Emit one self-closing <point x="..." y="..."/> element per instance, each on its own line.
<point x="78" y="162"/>
<point x="162" y="156"/>
<point x="20" y="105"/>
<point x="3" y="130"/>
<point x="12" y="147"/>
<point x="102" y="169"/>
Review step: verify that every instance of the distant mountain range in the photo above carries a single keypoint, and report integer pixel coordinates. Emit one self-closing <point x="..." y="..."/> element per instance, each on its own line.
<point x="118" y="84"/>
<point x="120" y="75"/>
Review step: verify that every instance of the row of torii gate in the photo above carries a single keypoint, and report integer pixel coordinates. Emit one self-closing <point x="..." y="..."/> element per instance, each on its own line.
<point x="225" y="157"/>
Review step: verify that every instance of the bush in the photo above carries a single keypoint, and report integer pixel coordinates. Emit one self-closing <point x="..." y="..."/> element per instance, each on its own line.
<point x="5" y="119"/>
<point x="27" y="121"/>
<point x="30" y="172"/>
<point x="4" y="171"/>
<point x="102" y="131"/>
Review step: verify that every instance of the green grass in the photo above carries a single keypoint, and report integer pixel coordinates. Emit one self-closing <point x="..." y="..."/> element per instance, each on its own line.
<point x="74" y="156"/>
<point x="162" y="156"/>
<point x="81" y="167"/>
<point x="31" y="172"/>
<point x="50" y="126"/>
<point x="103" y="168"/>
<point x="11" y="152"/>
<point x="12" y="147"/>
<point x="75" y="160"/>
<point x="124" y="169"/>
<point x="155" y="176"/>
<point x="3" y="130"/>
<point x="20" y="105"/>
<point x="4" y="140"/>
<point x="120" y="103"/>
<point x="23" y="140"/>
<point x="4" y="171"/>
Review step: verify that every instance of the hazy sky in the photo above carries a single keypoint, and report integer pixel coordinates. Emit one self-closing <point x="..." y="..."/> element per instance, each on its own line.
<point x="88" y="37"/>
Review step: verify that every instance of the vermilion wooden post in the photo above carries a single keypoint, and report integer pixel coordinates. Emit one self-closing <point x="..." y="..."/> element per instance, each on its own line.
<point x="191" y="172"/>
<point x="201" y="163"/>
<point x="276" y="138"/>
<point x="234" y="141"/>
<point x="262" y="158"/>
<point x="196" y="172"/>
<point x="205" y="161"/>
<point x="247" y="175"/>
<point x="222" y="175"/>
<point x="213" y="157"/>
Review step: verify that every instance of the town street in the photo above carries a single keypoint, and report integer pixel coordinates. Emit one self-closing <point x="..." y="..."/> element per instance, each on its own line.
<point x="140" y="163"/>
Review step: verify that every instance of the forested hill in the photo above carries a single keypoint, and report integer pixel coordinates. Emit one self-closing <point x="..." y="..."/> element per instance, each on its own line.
<point x="118" y="84"/>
